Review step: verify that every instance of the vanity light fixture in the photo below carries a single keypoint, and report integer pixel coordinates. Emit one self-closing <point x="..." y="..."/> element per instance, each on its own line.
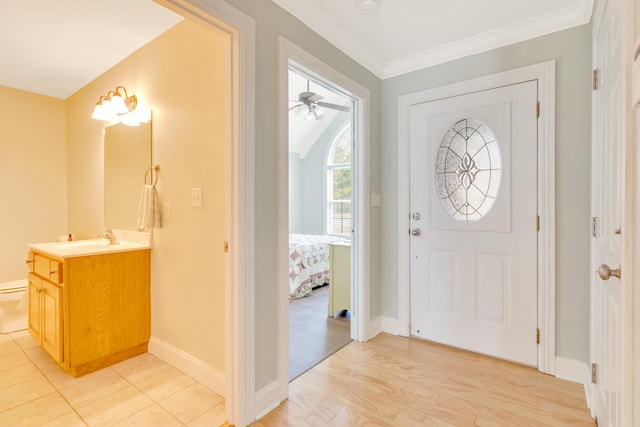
<point x="136" y="117"/>
<point x="113" y="104"/>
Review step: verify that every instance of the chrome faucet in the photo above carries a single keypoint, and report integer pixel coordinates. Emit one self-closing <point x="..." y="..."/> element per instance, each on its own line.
<point x="107" y="233"/>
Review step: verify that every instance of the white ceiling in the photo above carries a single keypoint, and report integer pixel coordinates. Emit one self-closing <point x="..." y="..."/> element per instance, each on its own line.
<point x="56" y="47"/>
<point x="407" y="35"/>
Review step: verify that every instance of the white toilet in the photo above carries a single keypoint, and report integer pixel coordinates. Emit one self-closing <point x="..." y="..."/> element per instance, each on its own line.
<point x="13" y="306"/>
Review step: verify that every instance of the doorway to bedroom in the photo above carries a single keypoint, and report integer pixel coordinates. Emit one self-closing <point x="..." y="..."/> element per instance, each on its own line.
<point x="320" y="158"/>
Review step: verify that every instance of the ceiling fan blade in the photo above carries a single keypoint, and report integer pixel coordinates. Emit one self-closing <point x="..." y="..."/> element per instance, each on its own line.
<point x="317" y="115"/>
<point x="333" y="106"/>
<point x="309" y="97"/>
<point x="295" y="106"/>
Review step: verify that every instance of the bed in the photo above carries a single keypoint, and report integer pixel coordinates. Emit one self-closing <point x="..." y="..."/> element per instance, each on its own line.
<point x="308" y="262"/>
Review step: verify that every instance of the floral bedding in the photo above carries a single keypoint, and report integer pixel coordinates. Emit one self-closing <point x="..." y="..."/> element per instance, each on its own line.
<point x="308" y="262"/>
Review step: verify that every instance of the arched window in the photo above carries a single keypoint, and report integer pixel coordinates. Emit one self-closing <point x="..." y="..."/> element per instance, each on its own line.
<point x="339" y="185"/>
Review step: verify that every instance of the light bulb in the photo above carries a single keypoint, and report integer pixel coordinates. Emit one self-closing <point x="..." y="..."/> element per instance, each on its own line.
<point x="102" y="112"/>
<point x="117" y="104"/>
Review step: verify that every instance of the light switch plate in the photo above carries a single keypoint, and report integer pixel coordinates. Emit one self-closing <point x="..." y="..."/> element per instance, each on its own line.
<point x="196" y="197"/>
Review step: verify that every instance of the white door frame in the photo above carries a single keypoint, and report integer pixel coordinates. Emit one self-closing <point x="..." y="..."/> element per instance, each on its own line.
<point x="289" y="53"/>
<point x="240" y="283"/>
<point x="544" y="73"/>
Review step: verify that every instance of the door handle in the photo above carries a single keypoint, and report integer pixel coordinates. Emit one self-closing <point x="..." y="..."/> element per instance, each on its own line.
<point x="416" y="232"/>
<point x="605" y="272"/>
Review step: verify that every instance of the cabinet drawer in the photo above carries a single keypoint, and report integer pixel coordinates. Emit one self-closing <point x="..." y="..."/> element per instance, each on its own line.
<point x="30" y="267"/>
<point x="47" y="268"/>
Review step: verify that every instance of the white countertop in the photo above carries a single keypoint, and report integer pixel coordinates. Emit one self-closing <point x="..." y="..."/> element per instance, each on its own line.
<point x="134" y="241"/>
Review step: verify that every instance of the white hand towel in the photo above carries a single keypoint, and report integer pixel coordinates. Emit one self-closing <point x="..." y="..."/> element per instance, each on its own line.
<point x="149" y="210"/>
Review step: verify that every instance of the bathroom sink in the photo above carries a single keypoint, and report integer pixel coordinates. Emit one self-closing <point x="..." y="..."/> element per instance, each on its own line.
<point x="86" y="247"/>
<point x="100" y="243"/>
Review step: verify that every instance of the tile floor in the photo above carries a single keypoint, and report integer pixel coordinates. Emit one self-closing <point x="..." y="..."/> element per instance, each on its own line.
<point x="142" y="391"/>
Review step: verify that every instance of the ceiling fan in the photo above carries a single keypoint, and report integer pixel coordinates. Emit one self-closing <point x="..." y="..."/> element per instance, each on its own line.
<point x="311" y="102"/>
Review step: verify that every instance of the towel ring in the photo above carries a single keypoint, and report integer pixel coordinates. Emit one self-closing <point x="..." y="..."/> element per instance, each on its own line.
<point x="153" y="179"/>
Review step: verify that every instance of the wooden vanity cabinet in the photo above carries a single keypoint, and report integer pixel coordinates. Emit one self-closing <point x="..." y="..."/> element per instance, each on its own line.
<point x="98" y="315"/>
<point x="45" y="315"/>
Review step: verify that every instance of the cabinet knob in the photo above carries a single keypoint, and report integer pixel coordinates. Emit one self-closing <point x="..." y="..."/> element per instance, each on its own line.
<point x="27" y="261"/>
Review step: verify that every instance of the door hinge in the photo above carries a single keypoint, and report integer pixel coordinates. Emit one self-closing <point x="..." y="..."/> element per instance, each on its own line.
<point x="537" y="222"/>
<point x="226" y="246"/>
<point x="596" y="79"/>
<point x="594" y="373"/>
<point x="538" y="109"/>
<point x="538" y="336"/>
<point x="594" y="226"/>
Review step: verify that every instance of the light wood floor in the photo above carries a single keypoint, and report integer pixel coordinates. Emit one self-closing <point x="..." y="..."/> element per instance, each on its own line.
<point x="396" y="381"/>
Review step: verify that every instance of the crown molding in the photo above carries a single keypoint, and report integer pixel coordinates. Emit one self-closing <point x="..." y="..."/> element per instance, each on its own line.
<point x="313" y="17"/>
<point x="515" y="32"/>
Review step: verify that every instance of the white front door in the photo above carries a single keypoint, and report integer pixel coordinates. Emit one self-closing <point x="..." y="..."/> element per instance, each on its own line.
<point x="608" y="206"/>
<point x="473" y="196"/>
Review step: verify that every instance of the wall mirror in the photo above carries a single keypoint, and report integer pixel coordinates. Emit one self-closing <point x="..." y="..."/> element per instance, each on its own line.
<point x="127" y="157"/>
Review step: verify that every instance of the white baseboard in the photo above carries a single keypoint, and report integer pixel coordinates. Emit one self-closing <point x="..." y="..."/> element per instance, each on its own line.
<point x="267" y="399"/>
<point x="390" y="326"/>
<point x="386" y="324"/>
<point x="375" y="327"/>
<point x="195" y="368"/>
<point x="572" y="370"/>
<point x="588" y="392"/>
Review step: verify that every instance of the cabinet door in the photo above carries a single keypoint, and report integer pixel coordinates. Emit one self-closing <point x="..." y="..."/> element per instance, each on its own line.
<point x="35" y="321"/>
<point x="51" y="299"/>
<point x="340" y="272"/>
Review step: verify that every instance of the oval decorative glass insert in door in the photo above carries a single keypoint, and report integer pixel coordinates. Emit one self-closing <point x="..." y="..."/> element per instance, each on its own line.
<point x="468" y="170"/>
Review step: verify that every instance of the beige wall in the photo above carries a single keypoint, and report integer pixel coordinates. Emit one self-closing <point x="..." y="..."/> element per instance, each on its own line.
<point x="33" y="175"/>
<point x="183" y="77"/>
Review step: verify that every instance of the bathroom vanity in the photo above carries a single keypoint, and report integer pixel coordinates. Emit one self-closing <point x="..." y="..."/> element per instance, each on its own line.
<point x="89" y="302"/>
